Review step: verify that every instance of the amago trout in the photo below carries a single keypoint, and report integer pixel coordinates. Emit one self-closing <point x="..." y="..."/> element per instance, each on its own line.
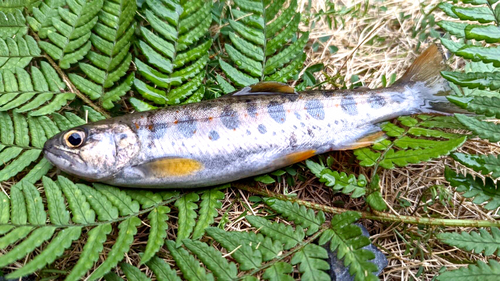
<point x="253" y="131"/>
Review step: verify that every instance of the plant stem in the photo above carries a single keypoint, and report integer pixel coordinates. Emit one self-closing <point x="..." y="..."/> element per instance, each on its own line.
<point x="379" y="216"/>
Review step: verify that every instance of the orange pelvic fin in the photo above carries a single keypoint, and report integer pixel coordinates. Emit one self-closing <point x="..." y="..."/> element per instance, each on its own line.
<point x="295" y="157"/>
<point x="366" y="141"/>
<point x="173" y="167"/>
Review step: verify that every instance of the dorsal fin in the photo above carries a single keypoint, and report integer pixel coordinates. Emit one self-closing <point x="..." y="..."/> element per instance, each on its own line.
<point x="426" y="68"/>
<point x="265" y="88"/>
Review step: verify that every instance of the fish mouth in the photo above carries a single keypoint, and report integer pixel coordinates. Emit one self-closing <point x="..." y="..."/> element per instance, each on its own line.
<point x="58" y="157"/>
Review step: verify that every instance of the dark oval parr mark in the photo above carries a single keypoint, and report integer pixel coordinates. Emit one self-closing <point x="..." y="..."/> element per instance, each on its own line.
<point x="348" y="104"/>
<point x="315" y="109"/>
<point x="376" y="101"/>
<point x="276" y="111"/>
<point x="213" y="135"/>
<point x="229" y="118"/>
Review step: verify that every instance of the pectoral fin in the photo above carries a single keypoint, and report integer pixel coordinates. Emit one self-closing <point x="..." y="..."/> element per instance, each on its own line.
<point x="171" y="167"/>
<point x="366" y="141"/>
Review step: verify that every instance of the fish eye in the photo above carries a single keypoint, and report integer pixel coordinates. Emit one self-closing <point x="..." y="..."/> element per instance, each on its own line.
<point x="74" y="139"/>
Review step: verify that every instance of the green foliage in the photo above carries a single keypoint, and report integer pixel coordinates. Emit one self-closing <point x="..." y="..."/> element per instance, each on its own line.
<point x="110" y="61"/>
<point x="12" y="24"/>
<point x="262" y="43"/>
<point x="481" y="241"/>
<point x="17" y="52"/>
<point x="409" y="146"/>
<point x="480" y="271"/>
<point x="339" y="181"/>
<point x="175" y="51"/>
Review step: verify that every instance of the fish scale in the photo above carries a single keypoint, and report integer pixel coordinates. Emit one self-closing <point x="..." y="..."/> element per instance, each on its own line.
<point x="253" y="131"/>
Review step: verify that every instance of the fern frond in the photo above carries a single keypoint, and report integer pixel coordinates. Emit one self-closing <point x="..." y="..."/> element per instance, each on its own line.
<point x="210" y="202"/>
<point x="278" y="231"/>
<point x="247" y="257"/>
<point x="17" y="52"/>
<point x="110" y="60"/>
<point x="103" y="208"/>
<point x="298" y="214"/>
<point x="221" y="268"/>
<point x="133" y="273"/>
<point x="69" y="42"/>
<point x="118" y="198"/>
<point x="187" y="215"/>
<point x="478" y="242"/>
<point x="12" y="24"/>
<point x="188" y="265"/>
<point x="481" y="191"/>
<point x="257" y="42"/>
<point x="339" y="181"/>
<point x="279" y="272"/>
<point x="175" y="51"/>
<point x="162" y="270"/>
<point x="485" y="164"/>
<point x="41" y="20"/>
<point x="158" y="219"/>
<point x="474" y="272"/>
<point x="128" y="228"/>
<point x="406" y="136"/>
<point x="80" y="208"/>
<point x="347" y="240"/>
<point x="312" y="263"/>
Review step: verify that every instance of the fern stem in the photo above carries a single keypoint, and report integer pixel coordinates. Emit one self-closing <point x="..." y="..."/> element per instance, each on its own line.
<point x="378" y="216"/>
<point x="72" y="87"/>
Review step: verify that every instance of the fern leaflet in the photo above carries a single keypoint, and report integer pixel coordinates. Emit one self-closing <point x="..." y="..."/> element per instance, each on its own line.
<point x="478" y="242"/>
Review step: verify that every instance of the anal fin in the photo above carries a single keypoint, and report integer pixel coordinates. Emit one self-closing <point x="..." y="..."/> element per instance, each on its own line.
<point x="366" y="141"/>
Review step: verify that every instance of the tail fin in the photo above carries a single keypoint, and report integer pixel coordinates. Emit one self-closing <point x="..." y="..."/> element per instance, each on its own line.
<point x="433" y="87"/>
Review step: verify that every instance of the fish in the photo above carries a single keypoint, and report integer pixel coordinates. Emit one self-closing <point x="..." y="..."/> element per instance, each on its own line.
<point x="253" y="131"/>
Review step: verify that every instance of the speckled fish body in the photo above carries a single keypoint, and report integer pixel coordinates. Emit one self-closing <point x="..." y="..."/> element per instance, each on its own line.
<point x="233" y="137"/>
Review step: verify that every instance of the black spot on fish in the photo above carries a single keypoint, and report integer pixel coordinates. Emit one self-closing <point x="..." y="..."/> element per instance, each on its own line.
<point x="327" y="94"/>
<point x="229" y="118"/>
<point x="315" y="109"/>
<point x="274" y="133"/>
<point x="348" y="104"/>
<point x="376" y="101"/>
<point x="293" y="140"/>
<point x="310" y="132"/>
<point x="298" y="115"/>
<point x="186" y="125"/>
<point x="302" y="124"/>
<point x="292" y="97"/>
<point x="248" y="132"/>
<point x="336" y="122"/>
<point x="277" y="111"/>
<point x="295" y="127"/>
<point x="123" y="136"/>
<point x="213" y="135"/>
<point x="262" y="129"/>
<point x="252" y="108"/>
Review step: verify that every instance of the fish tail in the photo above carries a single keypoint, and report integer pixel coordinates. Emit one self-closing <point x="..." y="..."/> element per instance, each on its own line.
<point x="431" y="87"/>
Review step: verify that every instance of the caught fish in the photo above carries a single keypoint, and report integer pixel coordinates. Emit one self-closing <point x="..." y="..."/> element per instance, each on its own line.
<point x="253" y="131"/>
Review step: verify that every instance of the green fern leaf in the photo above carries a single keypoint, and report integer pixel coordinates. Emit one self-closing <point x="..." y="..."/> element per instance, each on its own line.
<point x="17" y="52"/>
<point x="210" y="203"/>
<point x="475" y="188"/>
<point x="347" y="239"/>
<point x="188" y="265"/>
<point x="118" y="198"/>
<point x="145" y="198"/>
<point x="454" y="28"/>
<point x="34" y="205"/>
<point x="339" y="181"/>
<point x="4" y="214"/>
<point x="169" y="64"/>
<point x="247" y="257"/>
<point x="478" y="80"/>
<point x="257" y="41"/>
<point x="221" y="268"/>
<point x="133" y="273"/>
<point x="278" y="231"/>
<point x="112" y="277"/>
<point x="111" y="60"/>
<point x="480" y="163"/>
<point x="15" y="235"/>
<point x="162" y="270"/>
<point x="41" y="20"/>
<point x="269" y="248"/>
<point x="479" y="53"/>
<point x="298" y="214"/>
<point x="279" y="272"/>
<point x="90" y="254"/>
<point x="19" y="214"/>
<point x="485" y="130"/>
<point x="312" y="263"/>
<point x="12" y="24"/>
<point x="37" y="237"/>
<point x="480" y="14"/>
<point x="55" y="249"/>
<point x="478" y="272"/>
<point x="80" y="208"/>
<point x="487" y="33"/>
<point x="187" y="215"/>
<point x="478" y="242"/>
<point x="69" y="42"/>
<point x="158" y="219"/>
<point x="128" y="228"/>
<point x="100" y="204"/>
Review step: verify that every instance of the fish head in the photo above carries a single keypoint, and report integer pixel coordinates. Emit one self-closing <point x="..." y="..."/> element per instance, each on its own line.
<point x="93" y="152"/>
